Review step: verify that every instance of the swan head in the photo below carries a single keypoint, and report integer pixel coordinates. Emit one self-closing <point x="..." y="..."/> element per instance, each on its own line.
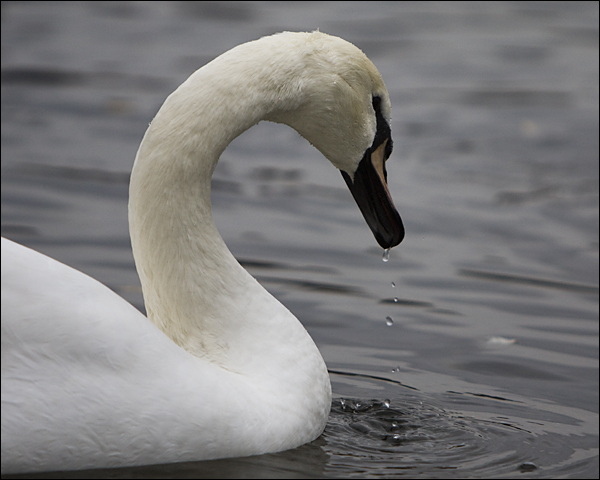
<point x="340" y="104"/>
<point x="322" y="86"/>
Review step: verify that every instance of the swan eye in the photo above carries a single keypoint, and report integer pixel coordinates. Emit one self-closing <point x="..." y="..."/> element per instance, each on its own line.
<point x="376" y="103"/>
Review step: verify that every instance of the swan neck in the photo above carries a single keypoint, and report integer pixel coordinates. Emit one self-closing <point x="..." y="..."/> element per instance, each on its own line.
<point x="193" y="287"/>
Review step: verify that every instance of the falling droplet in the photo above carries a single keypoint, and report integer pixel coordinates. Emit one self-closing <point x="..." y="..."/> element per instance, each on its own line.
<point x="393" y="284"/>
<point x="386" y="255"/>
<point x="386" y="403"/>
<point x="388" y="321"/>
<point x="395" y="299"/>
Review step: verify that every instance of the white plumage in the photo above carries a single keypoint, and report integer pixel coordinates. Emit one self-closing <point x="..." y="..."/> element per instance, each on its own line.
<point x="222" y="369"/>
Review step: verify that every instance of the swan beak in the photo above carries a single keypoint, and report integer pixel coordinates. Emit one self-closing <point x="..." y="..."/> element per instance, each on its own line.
<point x="369" y="189"/>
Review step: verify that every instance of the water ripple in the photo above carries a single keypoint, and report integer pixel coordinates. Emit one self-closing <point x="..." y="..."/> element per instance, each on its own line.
<point x="412" y="437"/>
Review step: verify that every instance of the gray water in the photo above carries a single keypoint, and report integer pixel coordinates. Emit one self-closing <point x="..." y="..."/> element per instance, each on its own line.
<point x="490" y="365"/>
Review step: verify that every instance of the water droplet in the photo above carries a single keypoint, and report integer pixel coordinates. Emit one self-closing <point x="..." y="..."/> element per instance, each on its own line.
<point x="395" y="299"/>
<point x="394" y="425"/>
<point x="386" y="255"/>
<point x="393" y="284"/>
<point x="388" y="321"/>
<point x="386" y="403"/>
<point x="343" y="403"/>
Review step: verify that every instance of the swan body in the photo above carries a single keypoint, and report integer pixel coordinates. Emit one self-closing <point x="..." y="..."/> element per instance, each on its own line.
<point x="219" y="368"/>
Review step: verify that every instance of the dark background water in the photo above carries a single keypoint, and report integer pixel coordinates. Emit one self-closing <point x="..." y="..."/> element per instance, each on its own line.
<point x="490" y="364"/>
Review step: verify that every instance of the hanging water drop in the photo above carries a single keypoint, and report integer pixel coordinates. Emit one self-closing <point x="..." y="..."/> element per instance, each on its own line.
<point x="386" y="255"/>
<point x="388" y="321"/>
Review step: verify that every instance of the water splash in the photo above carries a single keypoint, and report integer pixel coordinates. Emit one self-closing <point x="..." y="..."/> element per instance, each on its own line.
<point x="387" y="439"/>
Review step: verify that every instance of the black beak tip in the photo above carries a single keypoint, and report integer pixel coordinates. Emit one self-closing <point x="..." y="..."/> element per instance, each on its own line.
<point x="390" y="238"/>
<point x="376" y="206"/>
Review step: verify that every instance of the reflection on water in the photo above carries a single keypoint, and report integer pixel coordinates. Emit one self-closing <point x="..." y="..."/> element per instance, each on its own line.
<point x="490" y="361"/>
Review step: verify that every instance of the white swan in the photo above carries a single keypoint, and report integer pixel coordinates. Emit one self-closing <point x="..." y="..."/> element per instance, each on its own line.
<point x="223" y="369"/>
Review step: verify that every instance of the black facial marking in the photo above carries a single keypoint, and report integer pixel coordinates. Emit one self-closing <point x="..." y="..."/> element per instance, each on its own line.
<point x="382" y="134"/>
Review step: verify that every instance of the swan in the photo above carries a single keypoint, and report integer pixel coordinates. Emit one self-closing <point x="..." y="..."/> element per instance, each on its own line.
<point x="222" y="369"/>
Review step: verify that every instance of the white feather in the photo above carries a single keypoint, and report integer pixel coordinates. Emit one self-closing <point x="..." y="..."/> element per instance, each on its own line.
<point x="221" y="369"/>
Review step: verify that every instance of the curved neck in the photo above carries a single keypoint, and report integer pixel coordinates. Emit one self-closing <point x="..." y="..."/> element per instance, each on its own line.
<point x="194" y="289"/>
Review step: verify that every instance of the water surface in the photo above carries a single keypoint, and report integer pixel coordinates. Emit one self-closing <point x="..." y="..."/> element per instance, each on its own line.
<point x="490" y="365"/>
